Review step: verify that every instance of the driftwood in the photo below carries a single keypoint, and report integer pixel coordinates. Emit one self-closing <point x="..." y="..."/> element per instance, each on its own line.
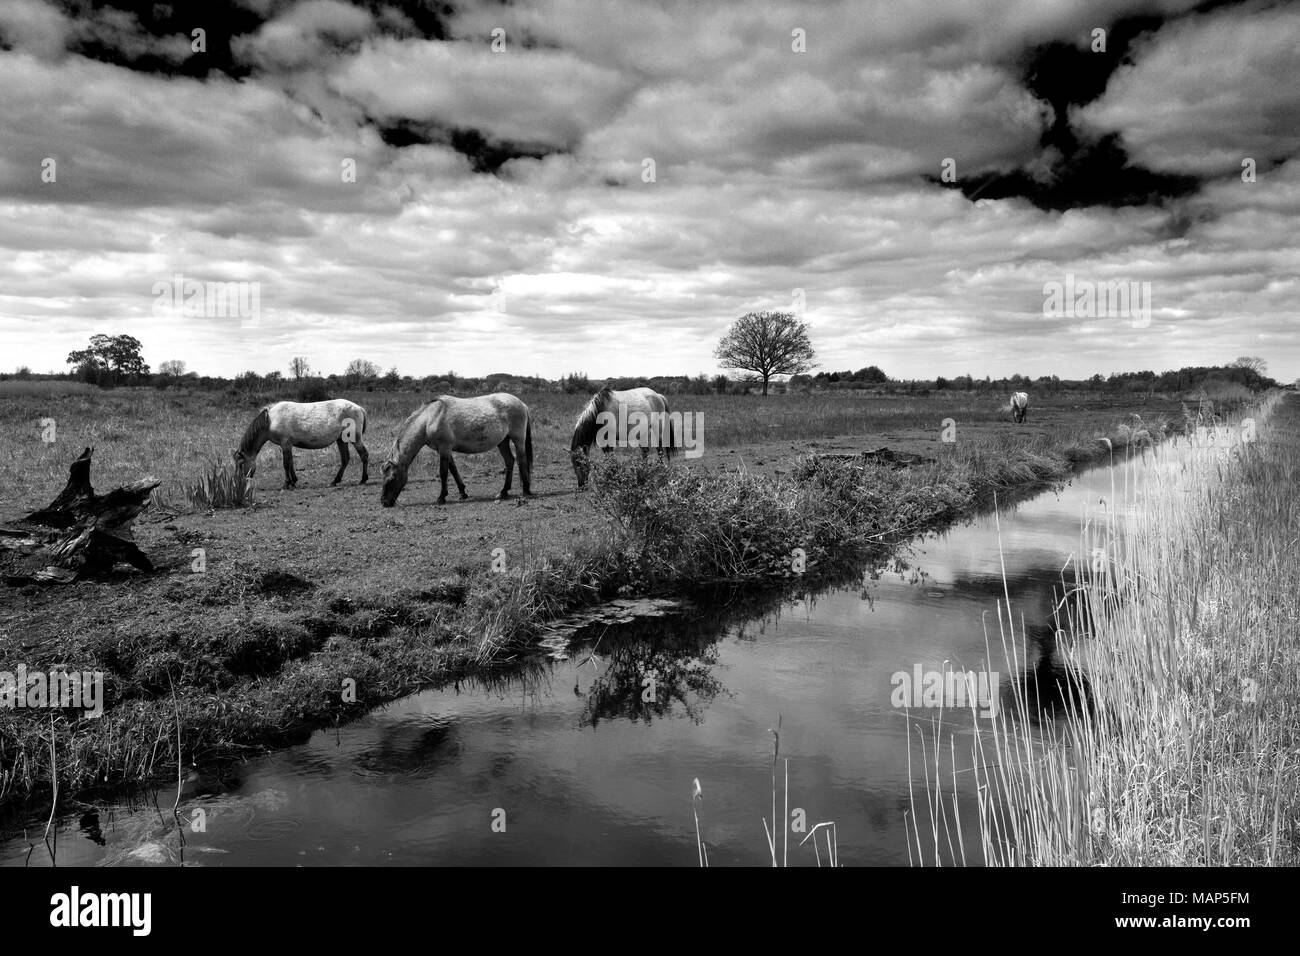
<point x="884" y="456"/>
<point x="79" y="533"/>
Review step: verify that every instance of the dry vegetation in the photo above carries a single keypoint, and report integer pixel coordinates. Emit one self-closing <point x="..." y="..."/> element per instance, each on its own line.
<point x="1182" y="750"/>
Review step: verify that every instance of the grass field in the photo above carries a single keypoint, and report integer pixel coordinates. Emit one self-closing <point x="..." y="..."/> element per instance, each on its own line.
<point x="176" y="434"/>
<point x="306" y="589"/>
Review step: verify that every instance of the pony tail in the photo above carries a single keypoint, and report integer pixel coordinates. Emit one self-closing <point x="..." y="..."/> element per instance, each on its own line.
<point x="528" y="442"/>
<point x="668" y="419"/>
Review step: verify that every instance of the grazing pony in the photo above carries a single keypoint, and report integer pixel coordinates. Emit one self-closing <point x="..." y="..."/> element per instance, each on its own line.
<point x="1019" y="406"/>
<point x="467" y="425"/>
<point x="305" y="425"/>
<point x="626" y="407"/>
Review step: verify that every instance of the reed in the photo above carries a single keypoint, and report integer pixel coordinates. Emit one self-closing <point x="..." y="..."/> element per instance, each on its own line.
<point x="1181" y="653"/>
<point x="220" y="486"/>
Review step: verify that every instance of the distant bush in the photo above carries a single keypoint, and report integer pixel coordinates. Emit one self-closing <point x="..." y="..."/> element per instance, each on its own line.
<point x="1218" y="390"/>
<point x="314" y="391"/>
<point x="576" y="382"/>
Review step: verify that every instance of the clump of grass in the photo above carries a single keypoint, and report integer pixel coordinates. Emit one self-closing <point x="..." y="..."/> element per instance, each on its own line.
<point x="220" y="486"/>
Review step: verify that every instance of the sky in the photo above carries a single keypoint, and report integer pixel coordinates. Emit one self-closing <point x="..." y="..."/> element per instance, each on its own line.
<point x="554" y="186"/>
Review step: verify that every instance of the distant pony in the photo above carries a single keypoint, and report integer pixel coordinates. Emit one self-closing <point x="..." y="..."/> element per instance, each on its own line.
<point x="466" y="425"/>
<point x="1019" y="406"/>
<point x="624" y="408"/>
<point x="305" y="425"/>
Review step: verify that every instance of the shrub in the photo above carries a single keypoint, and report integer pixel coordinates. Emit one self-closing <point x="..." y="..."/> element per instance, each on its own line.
<point x="314" y="391"/>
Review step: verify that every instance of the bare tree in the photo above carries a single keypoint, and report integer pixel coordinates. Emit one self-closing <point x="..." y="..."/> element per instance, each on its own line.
<point x="1252" y="362"/>
<point x="298" y="367"/>
<point x="767" y="343"/>
<point x="172" y="367"/>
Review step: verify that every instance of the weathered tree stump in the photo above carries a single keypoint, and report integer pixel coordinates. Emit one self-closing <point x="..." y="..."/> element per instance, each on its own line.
<point x="883" y="455"/>
<point x="79" y="533"/>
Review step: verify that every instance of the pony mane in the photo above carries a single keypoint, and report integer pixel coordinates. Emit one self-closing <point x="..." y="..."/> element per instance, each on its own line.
<point x="258" y="426"/>
<point x="584" y="428"/>
<point x="394" y="449"/>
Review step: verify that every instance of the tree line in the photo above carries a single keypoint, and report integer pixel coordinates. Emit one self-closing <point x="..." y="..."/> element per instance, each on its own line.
<point x="759" y="346"/>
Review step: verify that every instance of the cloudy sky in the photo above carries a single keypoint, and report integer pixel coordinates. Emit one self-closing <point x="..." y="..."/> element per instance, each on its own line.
<point x="504" y="216"/>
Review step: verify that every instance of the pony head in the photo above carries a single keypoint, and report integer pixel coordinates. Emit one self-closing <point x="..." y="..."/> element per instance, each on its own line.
<point x="581" y="466"/>
<point x="245" y="466"/>
<point x="394" y="482"/>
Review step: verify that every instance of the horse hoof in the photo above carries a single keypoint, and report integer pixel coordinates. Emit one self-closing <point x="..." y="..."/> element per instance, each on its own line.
<point x="442" y="501"/>
<point x="504" y="495"/>
<point x="464" y="497"/>
<point x="364" y="480"/>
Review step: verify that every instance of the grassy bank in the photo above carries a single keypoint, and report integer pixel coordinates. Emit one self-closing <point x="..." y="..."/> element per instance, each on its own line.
<point x="253" y="654"/>
<point x="1178" y="746"/>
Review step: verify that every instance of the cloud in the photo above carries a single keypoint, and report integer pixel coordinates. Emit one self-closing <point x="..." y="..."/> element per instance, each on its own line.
<point x="525" y="96"/>
<point x="774" y="171"/>
<point x="34" y="26"/>
<point x="1205" y="92"/>
<point x="305" y="34"/>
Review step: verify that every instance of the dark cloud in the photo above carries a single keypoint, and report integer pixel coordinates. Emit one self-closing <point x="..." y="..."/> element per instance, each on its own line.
<point x="153" y="37"/>
<point x="1074" y="167"/>
<point x="484" y="155"/>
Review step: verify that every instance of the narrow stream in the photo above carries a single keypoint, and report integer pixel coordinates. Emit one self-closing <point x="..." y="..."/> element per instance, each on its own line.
<point x="570" y="763"/>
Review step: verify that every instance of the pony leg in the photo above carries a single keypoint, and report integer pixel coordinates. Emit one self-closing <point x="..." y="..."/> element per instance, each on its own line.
<point x="442" y="475"/>
<point x="455" y="473"/>
<point x="290" y="476"/>
<point x="509" y="459"/>
<point x="365" y="460"/>
<point x="343" y="461"/>
<point x="525" y="472"/>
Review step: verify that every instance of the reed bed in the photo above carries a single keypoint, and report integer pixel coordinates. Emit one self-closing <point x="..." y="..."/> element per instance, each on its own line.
<point x="1180" y="647"/>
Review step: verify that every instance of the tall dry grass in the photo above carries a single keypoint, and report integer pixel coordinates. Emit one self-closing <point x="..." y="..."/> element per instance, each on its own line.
<point x="1181" y="648"/>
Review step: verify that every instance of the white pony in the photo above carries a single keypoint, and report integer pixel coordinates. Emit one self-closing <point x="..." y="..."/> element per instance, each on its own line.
<point x="1019" y="406"/>
<point x="466" y="426"/>
<point x="305" y="425"/>
<point x="643" y="408"/>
